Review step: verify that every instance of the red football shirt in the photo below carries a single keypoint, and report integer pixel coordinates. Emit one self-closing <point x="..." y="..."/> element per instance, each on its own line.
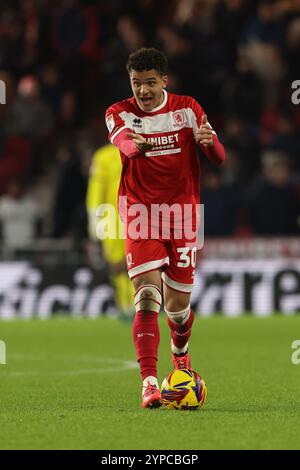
<point x="170" y="172"/>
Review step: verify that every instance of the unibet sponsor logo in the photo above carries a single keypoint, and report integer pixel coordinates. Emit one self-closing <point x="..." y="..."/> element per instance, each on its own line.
<point x="164" y="139"/>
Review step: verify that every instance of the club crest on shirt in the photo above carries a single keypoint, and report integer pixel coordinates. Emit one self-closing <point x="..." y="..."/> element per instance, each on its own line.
<point x="179" y="119"/>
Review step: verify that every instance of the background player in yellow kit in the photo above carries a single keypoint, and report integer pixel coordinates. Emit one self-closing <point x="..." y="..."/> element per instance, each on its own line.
<point x="104" y="180"/>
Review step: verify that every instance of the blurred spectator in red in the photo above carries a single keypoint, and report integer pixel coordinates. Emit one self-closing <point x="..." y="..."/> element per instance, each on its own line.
<point x="15" y="152"/>
<point x="15" y="159"/>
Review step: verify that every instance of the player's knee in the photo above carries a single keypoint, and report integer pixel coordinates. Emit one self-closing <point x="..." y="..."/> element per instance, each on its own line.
<point x="152" y="278"/>
<point x="179" y="316"/>
<point x="176" y="303"/>
<point x="148" y="297"/>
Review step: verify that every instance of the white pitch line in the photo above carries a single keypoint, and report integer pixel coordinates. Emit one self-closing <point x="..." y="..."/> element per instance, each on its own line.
<point x="39" y="357"/>
<point x="18" y="373"/>
<point x="126" y="365"/>
<point x="97" y="371"/>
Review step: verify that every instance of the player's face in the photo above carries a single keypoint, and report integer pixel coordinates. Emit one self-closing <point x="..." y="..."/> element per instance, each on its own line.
<point x="147" y="87"/>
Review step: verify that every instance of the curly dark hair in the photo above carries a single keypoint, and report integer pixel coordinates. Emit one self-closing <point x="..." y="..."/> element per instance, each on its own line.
<point x="147" y="59"/>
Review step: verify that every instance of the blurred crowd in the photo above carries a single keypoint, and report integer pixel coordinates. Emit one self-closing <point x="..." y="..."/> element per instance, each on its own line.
<point x="63" y="62"/>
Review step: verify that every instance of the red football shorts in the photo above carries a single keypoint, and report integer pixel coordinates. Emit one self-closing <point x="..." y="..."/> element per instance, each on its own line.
<point x="175" y="257"/>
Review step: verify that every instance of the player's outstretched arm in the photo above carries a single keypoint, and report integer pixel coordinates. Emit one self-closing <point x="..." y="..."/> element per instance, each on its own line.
<point x="120" y="135"/>
<point x="126" y="144"/>
<point x="132" y="145"/>
<point x="209" y="142"/>
<point x="140" y="142"/>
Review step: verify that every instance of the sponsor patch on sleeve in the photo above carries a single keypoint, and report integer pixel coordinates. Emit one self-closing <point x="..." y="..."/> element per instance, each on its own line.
<point x="110" y="122"/>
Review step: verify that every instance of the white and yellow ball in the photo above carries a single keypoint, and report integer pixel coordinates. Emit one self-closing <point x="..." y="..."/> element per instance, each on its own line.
<point x="183" y="390"/>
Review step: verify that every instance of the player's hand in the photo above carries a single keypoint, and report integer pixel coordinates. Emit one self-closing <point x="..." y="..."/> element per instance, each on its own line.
<point x="140" y="142"/>
<point x="205" y="133"/>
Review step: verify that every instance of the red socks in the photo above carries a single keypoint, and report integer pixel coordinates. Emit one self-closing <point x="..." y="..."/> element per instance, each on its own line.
<point x="146" y="338"/>
<point x="181" y="332"/>
<point x="146" y="341"/>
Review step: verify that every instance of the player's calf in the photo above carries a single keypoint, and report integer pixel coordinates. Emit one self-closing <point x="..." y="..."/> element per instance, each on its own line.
<point x="180" y="323"/>
<point x="146" y="340"/>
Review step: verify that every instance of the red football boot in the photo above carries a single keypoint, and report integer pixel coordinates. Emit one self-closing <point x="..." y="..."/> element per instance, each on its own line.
<point x="151" y="397"/>
<point x="181" y="361"/>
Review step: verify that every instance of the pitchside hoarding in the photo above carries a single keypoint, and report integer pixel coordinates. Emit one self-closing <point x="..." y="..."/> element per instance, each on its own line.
<point x="233" y="287"/>
<point x="28" y="291"/>
<point x="229" y="287"/>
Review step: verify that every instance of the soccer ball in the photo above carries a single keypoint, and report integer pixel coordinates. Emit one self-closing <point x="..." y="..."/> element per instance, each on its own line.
<point x="183" y="389"/>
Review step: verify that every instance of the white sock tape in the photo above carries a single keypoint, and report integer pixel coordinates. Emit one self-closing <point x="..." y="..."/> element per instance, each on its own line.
<point x="148" y="297"/>
<point x="179" y="317"/>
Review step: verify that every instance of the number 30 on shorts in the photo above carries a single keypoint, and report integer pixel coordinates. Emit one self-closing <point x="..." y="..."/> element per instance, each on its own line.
<point x="187" y="257"/>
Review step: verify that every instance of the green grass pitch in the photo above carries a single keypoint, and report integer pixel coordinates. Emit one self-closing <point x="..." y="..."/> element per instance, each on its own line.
<point x="73" y="384"/>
